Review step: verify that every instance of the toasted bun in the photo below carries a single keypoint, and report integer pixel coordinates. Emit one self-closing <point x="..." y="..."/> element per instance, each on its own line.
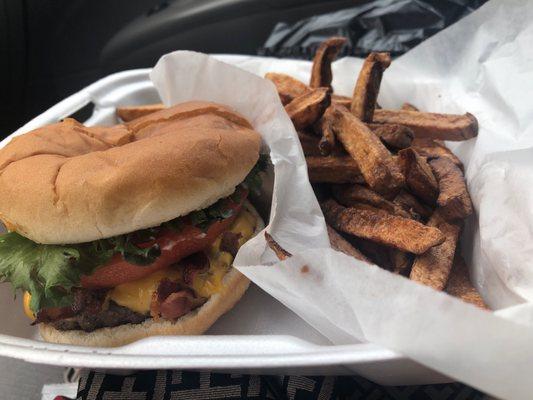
<point x="67" y="183"/>
<point x="194" y="323"/>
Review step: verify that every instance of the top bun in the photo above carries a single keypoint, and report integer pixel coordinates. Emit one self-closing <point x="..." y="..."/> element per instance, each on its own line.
<point x="68" y="183"/>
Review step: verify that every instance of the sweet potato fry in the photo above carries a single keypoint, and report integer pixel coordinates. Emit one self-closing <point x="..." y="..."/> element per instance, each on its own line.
<point x="433" y="267"/>
<point x="459" y="284"/>
<point x="375" y="162"/>
<point x="129" y="113"/>
<point x="321" y="75"/>
<point x="454" y="200"/>
<point x="340" y="244"/>
<point x="418" y="175"/>
<point x="367" y="87"/>
<point x="309" y="143"/>
<point x="393" y="135"/>
<point x="288" y="87"/>
<point x="353" y="194"/>
<point x="431" y="125"/>
<point x="281" y="253"/>
<point x="324" y="128"/>
<point x="432" y="149"/>
<point x="333" y="169"/>
<point x="380" y="226"/>
<point x="343" y="101"/>
<point x="306" y="109"/>
<point x="409" y="107"/>
<point x="409" y="203"/>
<point x="400" y="262"/>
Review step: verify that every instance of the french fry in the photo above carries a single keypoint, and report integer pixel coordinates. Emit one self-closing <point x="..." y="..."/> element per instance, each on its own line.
<point x="333" y="169"/>
<point x="409" y="203"/>
<point x="409" y="107"/>
<point x="343" y="101"/>
<point x="433" y="267"/>
<point x="340" y="244"/>
<point x="393" y="135"/>
<point x="288" y="87"/>
<point x="309" y="143"/>
<point x="431" y="125"/>
<point x="418" y="175"/>
<point x="367" y="87"/>
<point x="459" y="284"/>
<point x="321" y="72"/>
<point x="129" y="113"/>
<point x="324" y="128"/>
<point x="375" y="162"/>
<point x="454" y="200"/>
<point x="432" y="149"/>
<point x="281" y="253"/>
<point x="306" y="109"/>
<point x="353" y="194"/>
<point x="400" y="262"/>
<point x="379" y="226"/>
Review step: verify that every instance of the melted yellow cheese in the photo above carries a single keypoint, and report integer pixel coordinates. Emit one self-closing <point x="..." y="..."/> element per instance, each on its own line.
<point x="137" y="295"/>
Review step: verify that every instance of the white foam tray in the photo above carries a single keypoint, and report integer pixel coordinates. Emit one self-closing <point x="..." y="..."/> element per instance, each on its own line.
<point x="259" y="335"/>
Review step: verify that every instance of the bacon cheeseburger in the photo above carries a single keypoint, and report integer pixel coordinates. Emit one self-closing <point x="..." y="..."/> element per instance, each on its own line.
<point x="122" y="232"/>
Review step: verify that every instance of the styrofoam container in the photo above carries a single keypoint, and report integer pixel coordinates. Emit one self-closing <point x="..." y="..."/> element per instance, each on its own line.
<point x="259" y="335"/>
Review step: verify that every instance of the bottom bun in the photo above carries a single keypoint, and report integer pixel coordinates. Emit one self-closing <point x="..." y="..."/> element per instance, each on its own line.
<point x="194" y="323"/>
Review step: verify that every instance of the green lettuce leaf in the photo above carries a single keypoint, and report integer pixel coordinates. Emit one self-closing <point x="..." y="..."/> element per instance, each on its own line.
<point x="48" y="272"/>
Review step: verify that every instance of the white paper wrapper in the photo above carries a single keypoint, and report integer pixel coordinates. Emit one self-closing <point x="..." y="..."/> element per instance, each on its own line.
<point x="484" y="65"/>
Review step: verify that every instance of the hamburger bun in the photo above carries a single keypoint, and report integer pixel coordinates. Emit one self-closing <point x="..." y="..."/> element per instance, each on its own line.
<point x="194" y="323"/>
<point x="68" y="183"/>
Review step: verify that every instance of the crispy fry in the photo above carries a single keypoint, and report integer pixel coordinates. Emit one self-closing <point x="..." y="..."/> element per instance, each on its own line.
<point x="380" y="226"/>
<point x="324" y="128"/>
<point x="340" y="244"/>
<point x="431" y="125"/>
<point x="400" y="262"/>
<point x="393" y="135"/>
<point x="343" y="101"/>
<point x="459" y="284"/>
<point x="375" y="162"/>
<point x="281" y="253"/>
<point x="353" y="194"/>
<point x="333" y="169"/>
<point x="288" y="87"/>
<point x="309" y="143"/>
<point x="453" y="199"/>
<point x="433" y="267"/>
<point x="129" y="113"/>
<point x="321" y="72"/>
<point x="306" y="109"/>
<point x="366" y="89"/>
<point x="410" y="204"/>
<point x="418" y="175"/>
<point x="432" y="149"/>
<point x="409" y="107"/>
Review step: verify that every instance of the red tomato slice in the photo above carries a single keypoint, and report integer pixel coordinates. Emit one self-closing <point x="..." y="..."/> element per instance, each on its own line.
<point x="174" y="246"/>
